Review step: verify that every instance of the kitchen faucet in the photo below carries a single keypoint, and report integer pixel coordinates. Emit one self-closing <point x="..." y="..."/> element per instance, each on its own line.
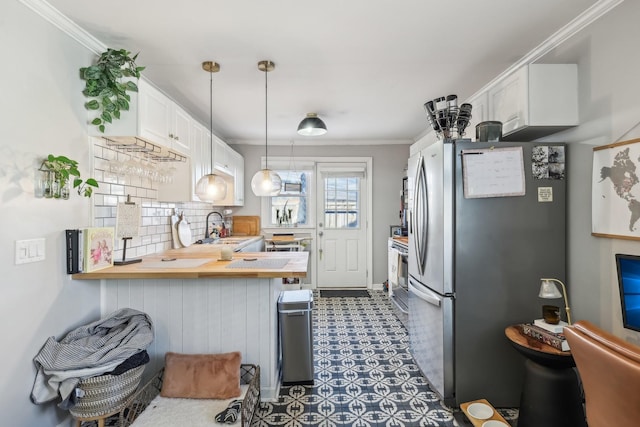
<point x="206" y="225"/>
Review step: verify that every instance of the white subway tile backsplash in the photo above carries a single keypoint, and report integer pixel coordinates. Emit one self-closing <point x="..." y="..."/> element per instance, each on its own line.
<point x="109" y="200"/>
<point x="155" y="231"/>
<point x="117" y="189"/>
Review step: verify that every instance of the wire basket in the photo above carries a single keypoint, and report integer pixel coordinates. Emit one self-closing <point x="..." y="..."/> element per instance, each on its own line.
<point x="107" y="394"/>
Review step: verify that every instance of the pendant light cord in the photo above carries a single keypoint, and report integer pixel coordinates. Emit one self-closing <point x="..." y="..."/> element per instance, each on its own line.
<point x="266" y="106"/>
<point x="211" y="119"/>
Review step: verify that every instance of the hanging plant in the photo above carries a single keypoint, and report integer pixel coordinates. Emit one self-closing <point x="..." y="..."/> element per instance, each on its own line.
<point x="62" y="169"/>
<point x="106" y="86"/>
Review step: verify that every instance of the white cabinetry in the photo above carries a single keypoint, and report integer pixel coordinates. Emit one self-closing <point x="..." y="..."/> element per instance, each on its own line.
<point x="478" y="114"/>
<point x="536" y="100"/>
<point x="222" y="151"/>
<point x="154" y="117"/>
<point x="236" y="161"/>
<point x="200" y="155"/>
<point x="180" y="129"/>
<point x="231" y="167"/>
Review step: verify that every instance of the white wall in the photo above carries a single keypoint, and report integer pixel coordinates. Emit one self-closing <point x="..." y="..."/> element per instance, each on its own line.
<point x="42" y="112"/>
<point x="608" y="62"/>
<point x="389" y="164"/>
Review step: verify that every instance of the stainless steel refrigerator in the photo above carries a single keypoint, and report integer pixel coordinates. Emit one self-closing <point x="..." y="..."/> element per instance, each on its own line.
<point x="476" y="256"/>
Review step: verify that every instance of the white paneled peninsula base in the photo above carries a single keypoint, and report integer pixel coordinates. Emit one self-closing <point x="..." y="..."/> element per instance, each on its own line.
<point x="206" y="309"/>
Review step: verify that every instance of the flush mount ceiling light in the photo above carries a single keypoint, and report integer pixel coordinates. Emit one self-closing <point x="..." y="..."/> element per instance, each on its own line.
<point x="312" y="125"/>
<point x="211" y="187"/>
<point x="266" y="182"/>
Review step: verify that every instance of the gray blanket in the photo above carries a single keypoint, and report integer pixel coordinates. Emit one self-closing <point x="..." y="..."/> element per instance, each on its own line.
<point x="88" y="351"/>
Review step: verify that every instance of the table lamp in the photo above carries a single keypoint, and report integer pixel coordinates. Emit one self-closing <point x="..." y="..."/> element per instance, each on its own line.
<point x="549" y="290"/>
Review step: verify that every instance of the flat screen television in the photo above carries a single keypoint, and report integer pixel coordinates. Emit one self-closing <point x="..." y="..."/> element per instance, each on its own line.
<point x="629" y="284"/>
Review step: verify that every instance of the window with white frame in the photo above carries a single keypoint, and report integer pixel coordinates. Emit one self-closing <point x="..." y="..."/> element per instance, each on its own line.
<point x="294" y="206"/>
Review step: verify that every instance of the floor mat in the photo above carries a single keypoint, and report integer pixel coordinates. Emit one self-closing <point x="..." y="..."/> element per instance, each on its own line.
<point x="344" y="293"/>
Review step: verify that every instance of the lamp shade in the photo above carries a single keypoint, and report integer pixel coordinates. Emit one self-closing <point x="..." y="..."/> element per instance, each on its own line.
<point x="549" y="290"/>
<point x="266" y="183"/>
<point x="211" y="188"/>
<point x="312" y="125"/>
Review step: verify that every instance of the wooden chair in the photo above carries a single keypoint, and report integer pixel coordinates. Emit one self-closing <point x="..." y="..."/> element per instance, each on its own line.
<point x="609" y="368"/>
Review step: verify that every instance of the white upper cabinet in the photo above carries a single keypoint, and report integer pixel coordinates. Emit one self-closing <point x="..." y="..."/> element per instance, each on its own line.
<point x="221" y="155"/>
<point x="535" y="101"/>
<point x="200" y="155"/>
<point x="230" y="165"/>
<point x="152" y="115"/>
<point x="237" y="164"/>
<point x="479" y="105"/>
<point x="180" y="129"/>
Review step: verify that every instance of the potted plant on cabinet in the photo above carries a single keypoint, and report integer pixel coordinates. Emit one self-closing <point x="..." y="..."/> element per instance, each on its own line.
<point x="104" y="84"/>
<point x="59" y="170"/>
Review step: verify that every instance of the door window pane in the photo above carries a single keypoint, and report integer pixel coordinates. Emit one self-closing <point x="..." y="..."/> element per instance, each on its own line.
<point x="342" y="202"/>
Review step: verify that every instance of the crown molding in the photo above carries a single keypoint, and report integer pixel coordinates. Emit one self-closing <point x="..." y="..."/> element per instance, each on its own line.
<point x="321" y="142"/>
<point x="55" y="17"/>
<point x="576" y="25"/>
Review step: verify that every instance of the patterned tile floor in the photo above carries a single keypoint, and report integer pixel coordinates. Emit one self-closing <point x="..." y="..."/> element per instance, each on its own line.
<point x="364" y="373"/>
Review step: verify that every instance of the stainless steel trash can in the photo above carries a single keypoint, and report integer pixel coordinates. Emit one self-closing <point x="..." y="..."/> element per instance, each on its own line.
<point x="296" y="336"/>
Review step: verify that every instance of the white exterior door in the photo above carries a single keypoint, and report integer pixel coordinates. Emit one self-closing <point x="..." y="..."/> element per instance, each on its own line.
<point x="341" y="225"/>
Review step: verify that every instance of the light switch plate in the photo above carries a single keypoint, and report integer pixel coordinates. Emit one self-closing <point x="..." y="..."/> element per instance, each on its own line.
<point x="31" y="250"/>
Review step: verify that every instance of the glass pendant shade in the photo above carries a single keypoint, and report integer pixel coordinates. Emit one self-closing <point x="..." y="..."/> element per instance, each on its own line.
<point x="312" y="125"/>
<point x="266" y="183"/>
<point x="211" y="188"/>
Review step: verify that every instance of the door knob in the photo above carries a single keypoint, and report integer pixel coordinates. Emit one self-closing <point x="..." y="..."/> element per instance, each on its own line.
<point x="320" y="233"/>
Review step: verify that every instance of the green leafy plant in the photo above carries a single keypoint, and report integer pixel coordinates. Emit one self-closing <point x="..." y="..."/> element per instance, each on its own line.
<point x="104" y="83"/>
<point x="64" y="168"/>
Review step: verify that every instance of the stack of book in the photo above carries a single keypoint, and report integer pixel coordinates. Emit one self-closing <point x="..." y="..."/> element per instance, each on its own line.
<point x="89" y="249"/>
<point x="545" y="333"/>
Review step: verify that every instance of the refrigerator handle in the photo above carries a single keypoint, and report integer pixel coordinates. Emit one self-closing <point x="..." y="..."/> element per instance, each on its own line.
<point x="428" y="296"/>
<point x="421" y="210"/>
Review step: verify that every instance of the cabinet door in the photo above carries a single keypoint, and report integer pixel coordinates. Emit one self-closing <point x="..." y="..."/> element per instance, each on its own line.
<point x="237" y="163"/>
<point x="180" y="130"/>
<point x="199" y="162"/>
<point x="221" y="156"/>
<point x="154" y="113"/>
<point x="478" y="114"/>
<point x="508" y="101"/>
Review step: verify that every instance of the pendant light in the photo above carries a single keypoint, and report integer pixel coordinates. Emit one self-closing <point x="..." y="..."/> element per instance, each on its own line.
<point x="312" y="125"/>
<point x="266" y="182"/>
<point x="211" y="187"/>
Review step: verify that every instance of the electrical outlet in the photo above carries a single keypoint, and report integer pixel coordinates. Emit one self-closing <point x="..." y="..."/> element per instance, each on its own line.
<point x="31" y="250"/>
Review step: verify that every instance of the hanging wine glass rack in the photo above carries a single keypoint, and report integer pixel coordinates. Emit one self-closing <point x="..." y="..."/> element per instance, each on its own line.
<point x="147" y="149"/>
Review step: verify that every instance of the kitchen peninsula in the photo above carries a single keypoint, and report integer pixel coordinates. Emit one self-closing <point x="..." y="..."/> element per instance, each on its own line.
<point x="201" y="304"/>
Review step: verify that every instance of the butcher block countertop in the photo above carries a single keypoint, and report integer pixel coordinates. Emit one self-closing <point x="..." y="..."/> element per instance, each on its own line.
<point x="202" y="261"/>
<point x="402" y="239"/>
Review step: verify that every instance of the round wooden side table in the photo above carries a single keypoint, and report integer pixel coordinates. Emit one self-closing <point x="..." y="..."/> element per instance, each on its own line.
<point x="551" y="395"/>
